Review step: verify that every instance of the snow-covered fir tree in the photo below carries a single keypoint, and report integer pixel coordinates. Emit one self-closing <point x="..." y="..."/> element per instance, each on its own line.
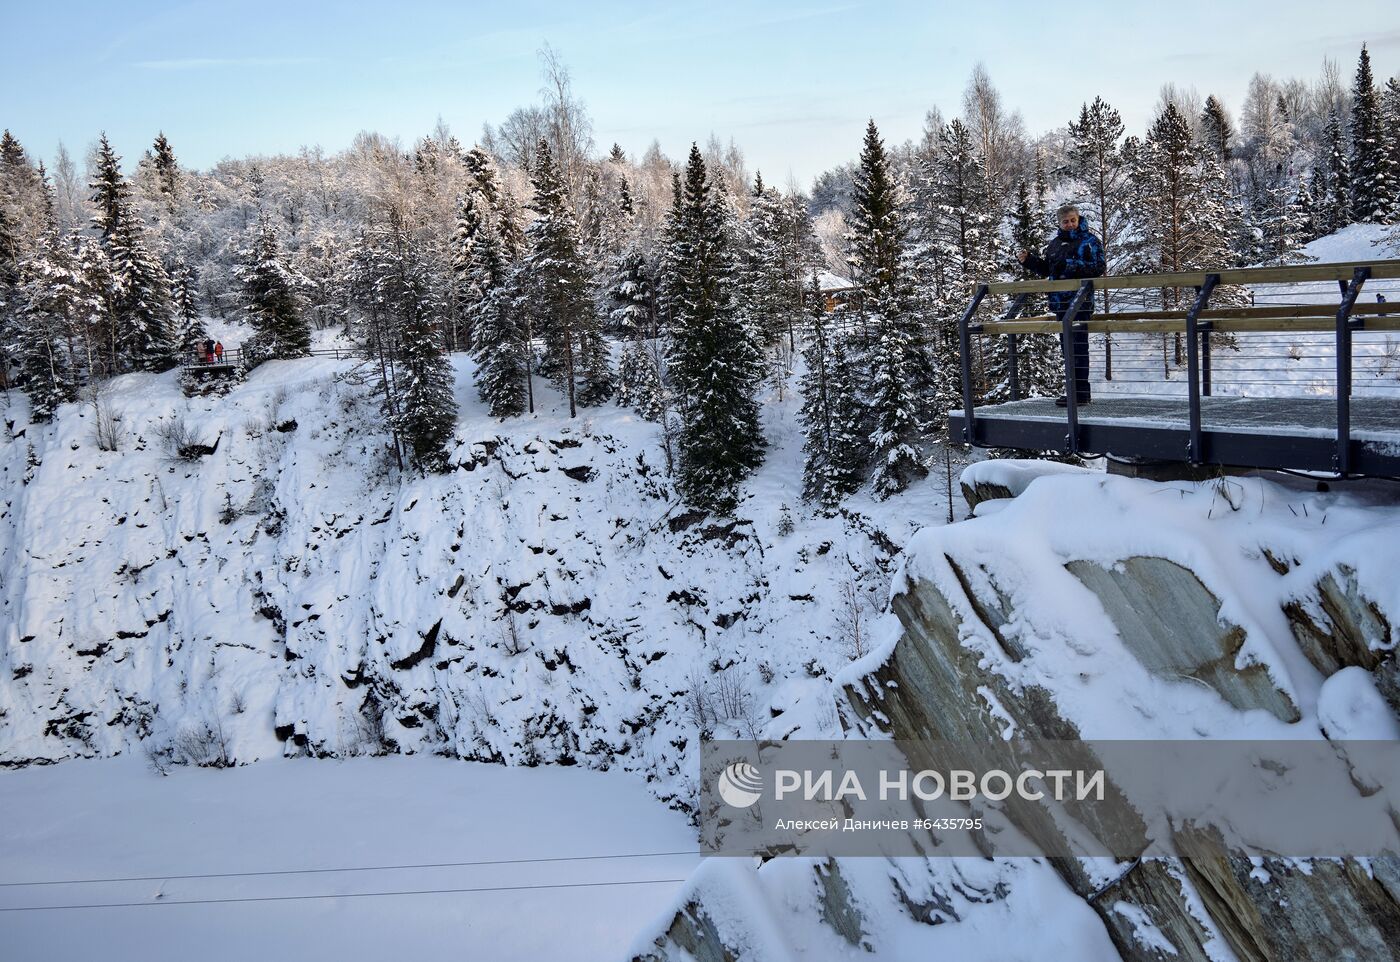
<point x="894" y="354"/>
<point x="1039" y="360"/>
<point x="713" y="361"/>
<point x="51" y="334"/>
<point x="833" y="449"/>
<point x="167" y="171"/>
<point x="1371" y="184"/>
<point x="1331" y="180"/>
<point x="190" y="332"/>
<point x="400" y="311"/>
<point x="1390" y="124"/>
<point x="271" y="295"/>
<point x="1217" y="132"/>
<point x="9" y="291"/>
<point x="556" y="281"/>
<point x="142" y="313"/>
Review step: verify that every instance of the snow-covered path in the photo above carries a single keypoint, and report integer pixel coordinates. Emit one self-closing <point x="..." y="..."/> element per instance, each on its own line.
<point x="117" y="818"/>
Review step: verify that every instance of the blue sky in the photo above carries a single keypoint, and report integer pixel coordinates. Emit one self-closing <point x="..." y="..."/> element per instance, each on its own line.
<point x="792" y="83"/>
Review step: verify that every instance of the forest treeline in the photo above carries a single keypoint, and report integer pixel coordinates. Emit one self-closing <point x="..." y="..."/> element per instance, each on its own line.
<point x="678" y="288"/>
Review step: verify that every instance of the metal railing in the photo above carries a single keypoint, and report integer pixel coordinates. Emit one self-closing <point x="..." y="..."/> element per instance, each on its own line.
<point x="234" y="358"/>
<point x="1320" y="338"/>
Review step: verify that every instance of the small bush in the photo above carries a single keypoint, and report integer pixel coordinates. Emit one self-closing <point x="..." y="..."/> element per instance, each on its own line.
<point x="177" y="436"/>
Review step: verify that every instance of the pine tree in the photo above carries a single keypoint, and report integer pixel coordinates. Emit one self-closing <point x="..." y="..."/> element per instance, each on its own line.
<point x="271" y="298"/>
<point x="1370" y="176"/>
<point x="556" y="280"/>
<point x="427" y="409"/>
<point x="1189" y="217"/>
<point x="111" y="194"/>
<point x="503" y="348"/>
<point x="477" y="260"/>
<point x="713" y="361"/>
<point x="142" y="299"/>
<point x="831" y="412"/>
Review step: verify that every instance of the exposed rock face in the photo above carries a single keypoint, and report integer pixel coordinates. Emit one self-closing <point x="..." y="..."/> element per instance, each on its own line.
<point x="1171" y="622"/>
<point x="1337" y="625"/>
<point x="934" y="686"/>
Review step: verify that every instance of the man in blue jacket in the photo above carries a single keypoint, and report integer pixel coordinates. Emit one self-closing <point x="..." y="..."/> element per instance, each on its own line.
<point x="1074" y="252"/>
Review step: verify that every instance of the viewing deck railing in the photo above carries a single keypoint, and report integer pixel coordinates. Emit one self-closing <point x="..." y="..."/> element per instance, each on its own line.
<point x="1199" y="330"/>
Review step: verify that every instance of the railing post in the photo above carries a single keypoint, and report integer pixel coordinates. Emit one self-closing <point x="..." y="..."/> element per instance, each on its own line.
<point x="1013" y="360"/>
<point x="965" y="349"/>
<point x="1193" y="368"/>
<point x="1067" y="322"/>
<point x="1342" y="459"/>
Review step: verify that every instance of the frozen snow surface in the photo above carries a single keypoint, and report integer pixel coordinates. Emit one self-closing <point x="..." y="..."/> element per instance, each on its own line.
<point x="367" y="827"/>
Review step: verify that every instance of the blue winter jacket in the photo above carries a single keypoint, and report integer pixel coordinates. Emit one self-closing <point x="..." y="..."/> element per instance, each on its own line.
<point x="1074" y="253"/>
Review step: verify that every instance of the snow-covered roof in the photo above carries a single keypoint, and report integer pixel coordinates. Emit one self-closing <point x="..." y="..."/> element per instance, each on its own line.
<point x="831" y="282"/>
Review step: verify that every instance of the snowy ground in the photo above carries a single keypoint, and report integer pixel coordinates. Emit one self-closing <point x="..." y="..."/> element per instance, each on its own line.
<point x="117" y="819"/>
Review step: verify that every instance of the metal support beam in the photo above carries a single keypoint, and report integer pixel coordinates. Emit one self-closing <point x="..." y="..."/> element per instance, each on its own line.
<point x="1013" y="359"/>
<point x="1086" y="290"/>
<point x="1350" y="292"/>
<point x="1193" y="368"/>
<point x="965" y="349"/>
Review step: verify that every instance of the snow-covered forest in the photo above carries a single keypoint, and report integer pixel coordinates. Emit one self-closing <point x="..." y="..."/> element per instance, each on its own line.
<point x="674" y="286"/>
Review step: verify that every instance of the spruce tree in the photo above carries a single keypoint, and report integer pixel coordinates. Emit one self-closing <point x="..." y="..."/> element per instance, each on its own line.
<point x="1217" y="133"/>
<point x="271" y="298"/>
<point x="1039" y="369"/>
<point x="111" y="194"/>
<point x="50" y="333"/>
<point x="556" y="281"/>
<point x="1331" y="189"/>
<point x="1390" y="114"/>
<point x="1096" y="158"/>
<point x="189" y="323"/>
<point x="9" y="290"/>
<point x="832" y="449"/>
<point x="878" y="239"/>
<point x="167" y="170"/>
<point x="142" y="313"/>
<point x="427" y="408"/>
<point x="713" y="360"/>
<point x="1370" y="176"/>
<point x="400" y="326"/>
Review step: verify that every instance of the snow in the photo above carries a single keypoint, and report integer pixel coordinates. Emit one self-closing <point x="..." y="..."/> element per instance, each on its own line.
<point x="117" y="818"/>
<point x="1350" y="708"/>
<point x="830" y="282"/>
<point x="1214" y="529"/>
<point x="1014" y="474"/>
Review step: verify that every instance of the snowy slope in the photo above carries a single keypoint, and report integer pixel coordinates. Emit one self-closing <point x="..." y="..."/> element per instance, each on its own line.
<point x="546" y="601"/>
